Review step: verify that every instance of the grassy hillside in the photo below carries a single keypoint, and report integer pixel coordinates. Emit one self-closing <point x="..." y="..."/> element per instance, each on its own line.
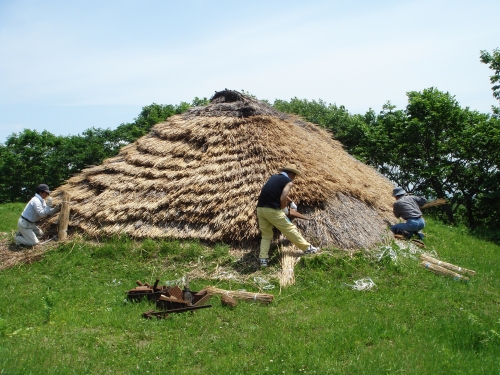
<point x="67" y="313"/>
<point x="9" y="214"/>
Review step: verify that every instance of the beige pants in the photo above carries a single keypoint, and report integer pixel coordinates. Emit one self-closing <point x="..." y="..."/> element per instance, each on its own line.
<point x="269" y="218"/>
<point x="29" y="233"/>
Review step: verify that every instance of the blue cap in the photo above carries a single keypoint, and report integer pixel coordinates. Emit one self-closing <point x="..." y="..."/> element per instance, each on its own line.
<point x="43" y="187"/>
<point x="398" y="191"/>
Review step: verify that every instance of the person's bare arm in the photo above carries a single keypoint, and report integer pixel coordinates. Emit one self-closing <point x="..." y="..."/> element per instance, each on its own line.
<point x="284" y="195"/>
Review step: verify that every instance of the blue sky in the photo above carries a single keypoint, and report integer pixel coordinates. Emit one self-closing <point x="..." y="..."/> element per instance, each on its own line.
<point x="66" y="66"/>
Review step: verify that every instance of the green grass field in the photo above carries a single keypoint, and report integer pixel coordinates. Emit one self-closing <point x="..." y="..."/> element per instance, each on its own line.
<point x="67" y="312"/>
<point x="9" y="214"/>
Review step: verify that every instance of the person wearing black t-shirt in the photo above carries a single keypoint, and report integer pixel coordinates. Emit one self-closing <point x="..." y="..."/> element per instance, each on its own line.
<point x="271" y="207"/>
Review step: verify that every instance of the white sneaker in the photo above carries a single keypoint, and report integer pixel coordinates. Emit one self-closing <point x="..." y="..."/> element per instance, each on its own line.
<point x="263" y="262"/>
<point x="311" y="250"/>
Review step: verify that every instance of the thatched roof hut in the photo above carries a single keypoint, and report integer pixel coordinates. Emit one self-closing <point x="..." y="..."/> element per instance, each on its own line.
<point x="198" y="175"/>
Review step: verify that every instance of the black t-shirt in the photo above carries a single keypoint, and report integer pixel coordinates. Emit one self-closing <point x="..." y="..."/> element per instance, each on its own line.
<point x="271" y="191"/>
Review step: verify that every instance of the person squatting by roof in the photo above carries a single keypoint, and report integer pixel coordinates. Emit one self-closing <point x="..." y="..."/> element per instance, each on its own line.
<point x="271" y="212"/>
<point x="407" y="207"/>
<point x="28" y="233"/>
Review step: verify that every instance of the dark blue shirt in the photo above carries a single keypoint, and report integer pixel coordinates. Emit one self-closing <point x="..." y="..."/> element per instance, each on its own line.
<point x="271" y="191"/>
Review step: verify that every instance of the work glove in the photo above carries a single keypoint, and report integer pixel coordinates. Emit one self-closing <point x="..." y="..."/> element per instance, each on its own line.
<point x="57" y="209"/>
<point x="285" y="210"/>
<point x="293" y="206"/>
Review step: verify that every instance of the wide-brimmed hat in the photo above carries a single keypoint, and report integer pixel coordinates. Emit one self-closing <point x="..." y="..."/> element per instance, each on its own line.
<point x="398" y="191"/>
<point x="291" y="168"/>
<point x="43" y="187"/>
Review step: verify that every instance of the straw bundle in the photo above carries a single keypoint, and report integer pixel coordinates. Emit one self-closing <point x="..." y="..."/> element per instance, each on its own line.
<point x="199" y="174"/>
<point x="448" y="266"/>
<point x="247" y="296"/>
<point x="437" y="202"/>
<point x="288" y="261"/>
<point x="443" y="271"/>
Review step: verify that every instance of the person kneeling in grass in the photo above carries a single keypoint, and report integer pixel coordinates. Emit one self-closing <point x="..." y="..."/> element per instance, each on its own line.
<point x="272" y="202"/>
<point x="36" y="209"/>
<point x="407" y="207"/>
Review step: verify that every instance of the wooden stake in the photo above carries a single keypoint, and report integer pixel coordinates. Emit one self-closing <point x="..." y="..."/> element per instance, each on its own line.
<point x="62" y="230"/>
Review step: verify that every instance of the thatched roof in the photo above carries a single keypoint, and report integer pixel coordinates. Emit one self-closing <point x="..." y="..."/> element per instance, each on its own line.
<point x="198" y="175"/>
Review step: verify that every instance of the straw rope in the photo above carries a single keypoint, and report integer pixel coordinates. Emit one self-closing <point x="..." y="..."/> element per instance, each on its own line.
<point x="449" y="266"/>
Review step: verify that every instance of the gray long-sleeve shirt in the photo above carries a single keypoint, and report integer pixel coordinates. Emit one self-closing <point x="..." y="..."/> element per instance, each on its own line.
<point x="36" y="209"/>
<point x="408" y="206"/>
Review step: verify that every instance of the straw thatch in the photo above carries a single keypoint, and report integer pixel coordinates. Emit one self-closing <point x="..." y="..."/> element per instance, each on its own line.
<point x="198" y="175"/>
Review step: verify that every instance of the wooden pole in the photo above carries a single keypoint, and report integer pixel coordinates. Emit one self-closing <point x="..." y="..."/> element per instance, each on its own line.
<point x="62" y="226"/>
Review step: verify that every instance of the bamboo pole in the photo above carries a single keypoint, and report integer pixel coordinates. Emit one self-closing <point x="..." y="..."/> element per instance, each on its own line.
<point x="62" y="225"/>
<point x="449" y="266"/>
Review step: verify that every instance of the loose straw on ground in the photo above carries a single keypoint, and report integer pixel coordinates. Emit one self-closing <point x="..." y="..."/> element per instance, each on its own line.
<point x="442" y="271"/>
<point x="247" y="296"/>
<point x="449" y="266"/>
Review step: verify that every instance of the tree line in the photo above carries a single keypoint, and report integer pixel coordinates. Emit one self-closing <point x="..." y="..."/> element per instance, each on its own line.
<point x="28" y="157"/>
<point x="433" y="147"/>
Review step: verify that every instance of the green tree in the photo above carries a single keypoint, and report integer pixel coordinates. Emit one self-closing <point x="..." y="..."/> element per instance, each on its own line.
<point x="493" y="60"/>
<point x="436" y="148"/>
<point x="479" y="173"/>
<point x="30" y="158"/>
